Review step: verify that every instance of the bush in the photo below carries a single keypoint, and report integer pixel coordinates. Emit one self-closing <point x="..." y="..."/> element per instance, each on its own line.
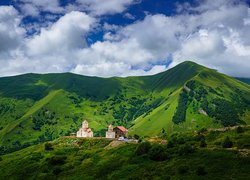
<point x="175" y="140"/>
<point x="202" y="130"/>
<point x="48" y="146"/>
<point x="136" y="136"/>
<point x="199" y="137"/>
<point x="142" y="148"/>
<point x="185" y="149"/>
<point x="203" y="143"/>
<point x="239" y="130"/>
<point x="36" y="156"/>
<point x="1" y="158"/>
<point x="201" y="171"/>
<point x="57" y="160"/>
<point x="57" y="170"/>
<point x="227" y="143"/>
<point x="183" y="169"/>
<point x="157" y="153"/>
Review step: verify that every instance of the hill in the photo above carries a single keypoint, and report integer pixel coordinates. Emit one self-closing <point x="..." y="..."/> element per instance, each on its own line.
<point x="245" y="80"/>
<point x="35" y="108"/>
<point x="204" y="155"/>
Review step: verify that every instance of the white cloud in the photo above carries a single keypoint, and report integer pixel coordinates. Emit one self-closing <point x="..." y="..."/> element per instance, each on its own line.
<point x="30" y="7"/>
<point x="215" y="36"/>
<point x="66" y="34"/>
<point x="94" y="7"/>
<point x="129" y="16"/>
<point x="100" y="7"/>
<point x="203" y="44"/>
<point x="30" y="10"/>
<point x="11" y="33"/>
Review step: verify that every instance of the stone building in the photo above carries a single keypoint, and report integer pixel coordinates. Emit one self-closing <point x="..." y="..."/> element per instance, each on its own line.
<point x="84" y="131"/>
<point x="110" y="133"/>
<point x="120" y="131"/>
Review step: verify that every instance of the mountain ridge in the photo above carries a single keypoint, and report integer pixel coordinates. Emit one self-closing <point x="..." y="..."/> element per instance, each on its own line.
<point x="149" y="105"/>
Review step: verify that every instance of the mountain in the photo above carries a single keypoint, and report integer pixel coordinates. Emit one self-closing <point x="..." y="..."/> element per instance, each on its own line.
<point x="245" y="80"/>
<point x="35" y="108"/>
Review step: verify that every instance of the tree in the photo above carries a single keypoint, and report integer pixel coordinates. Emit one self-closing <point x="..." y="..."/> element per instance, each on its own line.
<point x="48" y="146"/>
<point x="239" y="130"/>
<point x="142" y="148"/>
<point x="186" y="149"/>
<point x="183" y="169"/>
<point x="203" y="143"/>
<point x="180" y="114"/>
<point x="136" y="136"/>
<point x="227" y="143"/>
<point x="157" y="153"/>
<point x="201" y="171"/>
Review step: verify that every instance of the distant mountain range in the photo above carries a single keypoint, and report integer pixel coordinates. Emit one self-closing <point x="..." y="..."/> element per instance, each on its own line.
<point x="36" y="108"/>
<point x="245" y="80"/>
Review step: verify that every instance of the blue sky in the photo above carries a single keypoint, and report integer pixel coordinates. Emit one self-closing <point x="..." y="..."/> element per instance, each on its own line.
<point x="123" y="37"/>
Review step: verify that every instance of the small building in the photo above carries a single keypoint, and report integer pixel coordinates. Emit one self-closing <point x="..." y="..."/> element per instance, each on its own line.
<point x="84" y="131"/>
<point x="110" y="133"/>
<point x="120" y="131"/>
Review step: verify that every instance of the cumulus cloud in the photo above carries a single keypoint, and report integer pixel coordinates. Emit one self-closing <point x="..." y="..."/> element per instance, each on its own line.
<point x="212" y="35"/>
<point x="11" y="33"/>
<point x="94" y="7"/>
<point x="67" y="34"/>
<point x="34" y="7"/>
<point x="30" y="10"/>
<point x="100" y="7"/>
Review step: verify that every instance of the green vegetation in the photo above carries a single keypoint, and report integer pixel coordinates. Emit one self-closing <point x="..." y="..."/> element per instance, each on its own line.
<point x="75" y="158"/>
<point x="180" y="114"/>
<point x="245" y="80"/>
<point x="227" y="143"/>
<point x="37" y="108"/>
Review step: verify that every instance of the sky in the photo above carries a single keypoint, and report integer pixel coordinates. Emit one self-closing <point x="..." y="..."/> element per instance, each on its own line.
<point x="123" y="37"/>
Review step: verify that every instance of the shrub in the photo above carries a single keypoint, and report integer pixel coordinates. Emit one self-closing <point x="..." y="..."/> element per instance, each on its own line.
<point x="199" y="137"/>
<point x="227" y="143"/>
<point x="201" y="171"/>
<point x="1" y="158"/>
<point x="239" y="130"/>
<point x="57" y="160"/>
<point x="185" y="149"/>
<point x="48" y="146"/>
<point x="142" y="148"/>
<point x="36" y="156"/>
<point x="202" y="130"/>
<point x="183" y="169"/>
<point x="203" y="143"/>
<point x="157" y="153"/>
<point x="174" y="140"/>
<point x="57" y="170"/>
<point x="136" y="136"/>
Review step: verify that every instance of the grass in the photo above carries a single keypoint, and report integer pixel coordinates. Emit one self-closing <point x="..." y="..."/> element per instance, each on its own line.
<point x="144" y="105"/>
<point x="76" y="158"/>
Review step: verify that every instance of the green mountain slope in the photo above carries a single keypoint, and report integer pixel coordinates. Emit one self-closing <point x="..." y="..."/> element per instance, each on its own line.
<point x="35" y="108"/>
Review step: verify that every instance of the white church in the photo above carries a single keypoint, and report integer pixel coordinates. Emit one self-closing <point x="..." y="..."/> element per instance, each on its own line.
<point x="110" y="133"/>
<point x="84" y="131"/>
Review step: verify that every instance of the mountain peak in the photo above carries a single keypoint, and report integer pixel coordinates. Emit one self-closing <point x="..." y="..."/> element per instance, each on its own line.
<point x="191" y="64"/>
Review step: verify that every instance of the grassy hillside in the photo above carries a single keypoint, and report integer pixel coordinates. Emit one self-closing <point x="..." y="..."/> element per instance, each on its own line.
<point x="208" y="154"/>
<point x="35" y="108"/>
